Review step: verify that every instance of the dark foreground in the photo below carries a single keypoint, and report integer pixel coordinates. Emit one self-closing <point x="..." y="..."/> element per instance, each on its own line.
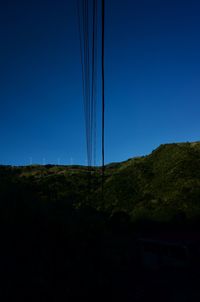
<point x="83" y="255"/>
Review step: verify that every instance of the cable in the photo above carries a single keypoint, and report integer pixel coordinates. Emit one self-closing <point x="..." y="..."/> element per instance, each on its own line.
<point x="103" y="92"/>
<point x="88" y="36"/>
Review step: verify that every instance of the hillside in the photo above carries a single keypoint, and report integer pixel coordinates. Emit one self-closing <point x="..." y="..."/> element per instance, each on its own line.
<point x="68" y="244"/>
<point x="161" y="185"/>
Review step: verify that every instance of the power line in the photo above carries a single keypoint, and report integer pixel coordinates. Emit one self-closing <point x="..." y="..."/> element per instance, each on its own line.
<point x="87" y="27"/>
<point x="89" y="36"/>
<point x="103" y="90"/>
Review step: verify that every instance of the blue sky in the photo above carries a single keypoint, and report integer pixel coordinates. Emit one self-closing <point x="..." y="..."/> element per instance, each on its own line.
<point x="152" y="79"/>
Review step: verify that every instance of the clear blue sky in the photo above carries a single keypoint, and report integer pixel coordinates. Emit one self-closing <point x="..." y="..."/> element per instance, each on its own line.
<point x="152" y="79"/>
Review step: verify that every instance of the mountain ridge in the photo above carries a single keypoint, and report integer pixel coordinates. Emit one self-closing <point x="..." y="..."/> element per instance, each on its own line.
<point x="156" y="186"/>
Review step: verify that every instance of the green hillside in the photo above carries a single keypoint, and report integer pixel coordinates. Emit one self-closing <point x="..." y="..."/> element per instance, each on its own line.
<point x="159" y="185"/>
<point x="163" y="185"/>
<point x="62" y="239"/>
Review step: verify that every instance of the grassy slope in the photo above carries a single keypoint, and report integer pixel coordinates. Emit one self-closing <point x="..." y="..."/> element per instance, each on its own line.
<point x="160" y="185"/>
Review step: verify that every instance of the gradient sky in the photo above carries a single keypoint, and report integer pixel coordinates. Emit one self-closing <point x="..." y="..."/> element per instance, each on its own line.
<point x="152" y="79"/>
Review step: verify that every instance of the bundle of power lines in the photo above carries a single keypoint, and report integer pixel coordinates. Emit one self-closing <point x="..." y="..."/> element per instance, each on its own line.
<point x="91" y="36"/>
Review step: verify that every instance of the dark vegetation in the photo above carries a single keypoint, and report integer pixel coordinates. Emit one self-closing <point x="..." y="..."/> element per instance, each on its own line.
<point x="61" y="242"/>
